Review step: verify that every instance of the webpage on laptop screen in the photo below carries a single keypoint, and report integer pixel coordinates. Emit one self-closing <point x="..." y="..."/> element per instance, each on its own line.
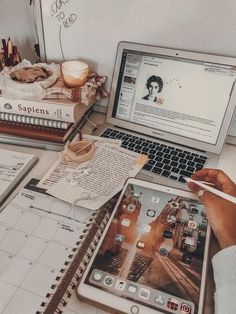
<point x="183" y="97"/>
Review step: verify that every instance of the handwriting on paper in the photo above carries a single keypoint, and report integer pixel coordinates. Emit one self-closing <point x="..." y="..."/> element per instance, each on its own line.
<point x="57" y="10"/>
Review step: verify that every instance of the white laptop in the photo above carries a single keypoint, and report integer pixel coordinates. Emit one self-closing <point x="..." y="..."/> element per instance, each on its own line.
<point x="175" y="106"/>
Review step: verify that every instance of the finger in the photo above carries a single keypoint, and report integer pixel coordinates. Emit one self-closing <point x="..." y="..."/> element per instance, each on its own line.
<point x="216" y="176"/>
<point x="194" y="187"/>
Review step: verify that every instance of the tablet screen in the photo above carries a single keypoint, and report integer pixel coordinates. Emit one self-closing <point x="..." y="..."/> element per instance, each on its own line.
<point x="153" y="251"/>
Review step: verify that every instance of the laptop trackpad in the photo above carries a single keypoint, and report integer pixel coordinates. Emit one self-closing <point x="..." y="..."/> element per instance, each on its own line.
<point x="162" y="180"/>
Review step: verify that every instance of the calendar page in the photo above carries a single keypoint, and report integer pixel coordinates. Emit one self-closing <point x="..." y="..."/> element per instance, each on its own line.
<point x="37" y="235"/>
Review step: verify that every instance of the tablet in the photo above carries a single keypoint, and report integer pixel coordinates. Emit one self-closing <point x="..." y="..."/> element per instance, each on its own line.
<point x="152" y="257"/>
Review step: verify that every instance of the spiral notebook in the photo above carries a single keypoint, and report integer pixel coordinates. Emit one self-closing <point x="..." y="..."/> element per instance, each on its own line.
<point x="50" y="242"/>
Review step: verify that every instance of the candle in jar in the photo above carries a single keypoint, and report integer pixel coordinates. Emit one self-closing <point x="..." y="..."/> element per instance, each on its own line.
<point x="75" y="72"/>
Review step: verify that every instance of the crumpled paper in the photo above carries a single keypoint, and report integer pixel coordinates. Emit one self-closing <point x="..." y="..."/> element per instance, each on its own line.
<point x="19" y="90"/>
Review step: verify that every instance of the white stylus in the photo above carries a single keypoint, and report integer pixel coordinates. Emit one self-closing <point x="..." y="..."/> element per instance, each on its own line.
<point x="212" y="190"/>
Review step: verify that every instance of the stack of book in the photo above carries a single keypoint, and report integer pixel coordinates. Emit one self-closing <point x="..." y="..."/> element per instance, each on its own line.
<point x="43" y="124"/>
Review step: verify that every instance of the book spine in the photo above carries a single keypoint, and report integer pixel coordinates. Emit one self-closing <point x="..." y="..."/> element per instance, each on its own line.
<point x="33" y="120"/>
<point x="40" y="109"/>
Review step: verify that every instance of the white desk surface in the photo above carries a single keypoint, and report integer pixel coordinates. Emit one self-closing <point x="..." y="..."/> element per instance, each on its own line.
<point x="47" y="158"/>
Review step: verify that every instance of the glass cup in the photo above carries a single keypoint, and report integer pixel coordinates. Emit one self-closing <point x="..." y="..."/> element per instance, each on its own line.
<point x="75" y="72"/>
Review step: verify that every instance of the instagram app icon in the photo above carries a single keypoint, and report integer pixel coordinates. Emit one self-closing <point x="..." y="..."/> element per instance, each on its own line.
<point x="186" y="308"/>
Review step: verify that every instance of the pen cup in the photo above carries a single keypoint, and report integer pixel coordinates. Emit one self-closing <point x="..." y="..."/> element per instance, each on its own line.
<point x="75" y="72"/>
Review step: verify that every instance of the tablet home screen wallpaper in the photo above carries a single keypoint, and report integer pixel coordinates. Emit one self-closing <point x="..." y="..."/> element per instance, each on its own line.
<point x="153" y="251"/>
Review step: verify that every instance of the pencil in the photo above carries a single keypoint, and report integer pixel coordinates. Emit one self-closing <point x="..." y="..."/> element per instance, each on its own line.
<point x="208" y="188"/>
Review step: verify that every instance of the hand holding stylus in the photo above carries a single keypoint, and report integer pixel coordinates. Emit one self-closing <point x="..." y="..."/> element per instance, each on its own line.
<point x="221" y="213"/>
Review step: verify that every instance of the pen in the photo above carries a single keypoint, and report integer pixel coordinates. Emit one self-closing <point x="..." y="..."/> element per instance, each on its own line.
<point x="208" y="188"/>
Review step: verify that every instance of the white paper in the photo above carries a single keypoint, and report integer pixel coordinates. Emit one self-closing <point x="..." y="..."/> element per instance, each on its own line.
<point x="12" y="165"/>
<point x="94" y="182"/>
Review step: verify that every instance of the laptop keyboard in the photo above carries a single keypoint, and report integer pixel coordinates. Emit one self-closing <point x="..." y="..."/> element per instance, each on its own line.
<point x="165" y="160"/>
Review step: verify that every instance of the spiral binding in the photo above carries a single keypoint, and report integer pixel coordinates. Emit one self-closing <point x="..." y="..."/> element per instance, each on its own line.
<point x="92" y="234"/>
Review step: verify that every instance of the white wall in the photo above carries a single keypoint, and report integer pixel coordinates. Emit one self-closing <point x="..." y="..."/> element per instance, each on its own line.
<point x="16" y="21"/>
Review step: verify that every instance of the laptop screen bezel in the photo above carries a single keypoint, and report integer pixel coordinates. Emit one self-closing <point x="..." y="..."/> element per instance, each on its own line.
<point x="163" y="135"/>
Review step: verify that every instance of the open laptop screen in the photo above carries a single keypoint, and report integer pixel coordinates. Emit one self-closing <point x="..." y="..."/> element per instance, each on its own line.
<point x="181" y="96"/>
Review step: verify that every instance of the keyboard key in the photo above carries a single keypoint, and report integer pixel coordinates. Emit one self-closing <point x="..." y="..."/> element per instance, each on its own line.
<point x="188" y="157"/>
<point x="174" y="164"/>
<point x="151" y="156"/>
<point x="166" y="150"/>
<point x="181" y="179"/>
<point x="168" y="156"/>
<point x="151" y="162"/>
<point x="174" y="158"/>
<point x="159" y="164"/>
<point x="152" y="146"/>
<point x="152" y="151"/>
<point x="165" y="173"/>
<point x="166" y="161"/>
<point x="156" y="170"/>
<point x="199" y="160"/>
<point x="191" y="163"/>
<point x="185" y="173"/>
<point x="167" y="167"/>
<point x="173" y="177"/>
<point x="175" y="170"/>
<point x="158" y="158"/>
<point x="139" y="147"/>
<point x="147" y="167"/>
<point x="182" y="166"/>
<point x="191" y="169"/>
<point x="199" y="166"/>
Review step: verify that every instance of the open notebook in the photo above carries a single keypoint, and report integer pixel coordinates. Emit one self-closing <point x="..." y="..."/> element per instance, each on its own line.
<point x="13" y="167"/>
<point x="50" y="242"/>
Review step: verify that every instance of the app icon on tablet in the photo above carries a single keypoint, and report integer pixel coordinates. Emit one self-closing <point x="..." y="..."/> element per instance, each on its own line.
<point x="119" y="238"/>
<point x="151" y="213"/>
<point x="155" y="199"/>
<point x="108" y="281"/>
<point x="172" y="304"/>
<point x="186" y="308"/>
<point x="171" y="219"/>
<point x="97" y="276"/>
<point x="140" y="245"/>
<point x="192" y="224"/>
<point x="160" y="300"/>
<point x="144" y="293"/>
<point x="146" y="228"/>
<point x="125" y="222"/>
<point x="131" y="208"/>
<point x="132" y="289"/>
<point x="120" y="285"/>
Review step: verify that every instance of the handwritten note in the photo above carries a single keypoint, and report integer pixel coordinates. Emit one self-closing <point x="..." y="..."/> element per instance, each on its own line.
<point x="57" y="10"/>
<point x="94" y="182"/>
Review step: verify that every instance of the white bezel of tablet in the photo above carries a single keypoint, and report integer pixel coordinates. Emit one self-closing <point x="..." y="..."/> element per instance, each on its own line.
<point x="116" y="304"/>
